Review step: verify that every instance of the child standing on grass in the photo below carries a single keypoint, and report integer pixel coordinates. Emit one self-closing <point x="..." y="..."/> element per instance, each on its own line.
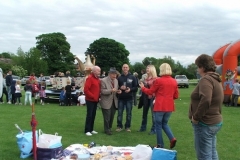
<point x="18" y="93"/>
<point x="28" y="92"/>
<point x="42" y="93"/>
<point x="62" y="97"/>
<point x="35" y="90"/>
<point x="68" y="89"/>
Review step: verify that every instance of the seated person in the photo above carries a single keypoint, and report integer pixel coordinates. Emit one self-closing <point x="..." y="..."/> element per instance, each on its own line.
<point x="75" y="98"/>
<point x="81" y="99"/>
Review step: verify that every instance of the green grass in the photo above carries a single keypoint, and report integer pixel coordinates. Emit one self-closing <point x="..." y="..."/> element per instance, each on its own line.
<point x="69" y="123"/>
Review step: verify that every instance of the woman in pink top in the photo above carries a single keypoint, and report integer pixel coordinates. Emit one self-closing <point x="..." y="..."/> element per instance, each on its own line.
<point x="148" y="99"/>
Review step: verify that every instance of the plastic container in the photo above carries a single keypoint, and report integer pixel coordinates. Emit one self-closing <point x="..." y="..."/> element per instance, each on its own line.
<point x="83" y="156"/>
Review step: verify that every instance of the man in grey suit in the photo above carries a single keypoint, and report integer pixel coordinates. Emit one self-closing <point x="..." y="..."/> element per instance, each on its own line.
<point x="109" y="100"/>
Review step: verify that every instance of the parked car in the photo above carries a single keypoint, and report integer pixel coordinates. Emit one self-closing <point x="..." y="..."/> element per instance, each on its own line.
<point x="16" y="77"/>
<point x="24" y="79"/>
<point x="182" y="81"/>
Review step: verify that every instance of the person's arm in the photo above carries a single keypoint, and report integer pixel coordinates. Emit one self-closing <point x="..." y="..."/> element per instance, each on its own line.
<point x="87" y="87"/>
<point x="152" y="89"/>
<point x="135" y="85"/>
<point x="104" y="89"/>
<point x="205" y="94"/>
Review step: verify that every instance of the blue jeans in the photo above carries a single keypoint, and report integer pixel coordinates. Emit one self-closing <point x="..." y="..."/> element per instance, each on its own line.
<point x="161" y="122"/>
<point x="121" y="105"/>
<point x="145" y="115"/>
<point x="28" y="98"/>
<point x="205" y="141"/>
<point x="9" y="93"/>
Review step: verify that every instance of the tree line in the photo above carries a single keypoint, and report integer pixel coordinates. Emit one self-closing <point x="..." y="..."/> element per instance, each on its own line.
<point x="52" y="54"/>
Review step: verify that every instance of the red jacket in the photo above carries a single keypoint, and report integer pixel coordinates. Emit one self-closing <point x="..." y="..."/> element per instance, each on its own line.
<point x="92" y="88"/>
<point x="166" y="90"/>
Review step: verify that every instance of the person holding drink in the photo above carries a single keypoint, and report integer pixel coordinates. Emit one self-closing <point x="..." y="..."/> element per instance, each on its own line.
<point x="127" y="84"/>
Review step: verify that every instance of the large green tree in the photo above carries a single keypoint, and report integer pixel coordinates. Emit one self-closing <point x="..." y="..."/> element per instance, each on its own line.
<point x="192" y="70"/>
<point x="5" y="55"/>
<point x="109" y="53"/>
<point x="33" y="62"/>
<point x="55" y="50"/>
<point x="137" y="67"/>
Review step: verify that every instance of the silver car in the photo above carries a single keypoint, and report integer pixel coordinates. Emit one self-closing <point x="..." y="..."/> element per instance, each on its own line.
<point x="24" y="79"/>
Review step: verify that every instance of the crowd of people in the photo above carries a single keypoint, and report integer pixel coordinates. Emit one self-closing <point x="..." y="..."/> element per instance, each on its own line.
<point x="117" y="92"/>
<point x="33" y="89"/>
<point x="158" y="94"/>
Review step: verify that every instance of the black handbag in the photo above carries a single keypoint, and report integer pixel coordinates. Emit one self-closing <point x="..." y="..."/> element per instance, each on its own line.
<point x="49" y="153"/>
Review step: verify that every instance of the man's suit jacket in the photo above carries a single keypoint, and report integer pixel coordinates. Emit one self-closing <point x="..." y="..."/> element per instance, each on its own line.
<point x="107" y="96"/>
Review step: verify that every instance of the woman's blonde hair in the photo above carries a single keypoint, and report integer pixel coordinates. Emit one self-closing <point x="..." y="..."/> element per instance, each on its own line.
<point x="165" y="69"/>
<point x="152" y="71"/>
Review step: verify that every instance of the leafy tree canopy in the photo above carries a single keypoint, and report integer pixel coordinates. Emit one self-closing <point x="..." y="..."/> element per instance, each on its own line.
<point x="109" y="53"/>
<point x="55" y="50"/>
<point x="137" y="67"/>
<point x="5" y="55"/>
<point x="34" y="63"/>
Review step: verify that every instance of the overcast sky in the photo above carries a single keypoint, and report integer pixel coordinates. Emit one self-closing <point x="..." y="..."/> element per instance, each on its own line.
<point x="182" y="29"/>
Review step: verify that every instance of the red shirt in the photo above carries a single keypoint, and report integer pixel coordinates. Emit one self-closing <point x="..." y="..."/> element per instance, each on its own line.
<point x="166" y="90"/>
<point x="92" y="88"/>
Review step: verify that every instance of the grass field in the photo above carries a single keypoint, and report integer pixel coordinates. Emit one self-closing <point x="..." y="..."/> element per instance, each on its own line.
<point x="69" y="123"/>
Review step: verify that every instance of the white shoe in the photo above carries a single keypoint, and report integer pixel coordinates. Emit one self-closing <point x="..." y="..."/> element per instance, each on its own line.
<point x="94" y="132"/>
<point x="9" y="102"/>
<point x="88" y="134"/>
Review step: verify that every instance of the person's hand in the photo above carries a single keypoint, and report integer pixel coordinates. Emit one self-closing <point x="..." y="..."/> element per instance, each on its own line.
<point x="123" y="87"/>
<point x="114" y="90"/>
<point x="119" y="91"/>
<point x="154" y="101"/>
<point x="127" y="90"/>
<point x="141" y="84"/>
<point x="194" y="121"/>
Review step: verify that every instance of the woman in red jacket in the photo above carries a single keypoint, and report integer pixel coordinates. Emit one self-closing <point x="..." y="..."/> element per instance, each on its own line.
<point x="165" y="90"/>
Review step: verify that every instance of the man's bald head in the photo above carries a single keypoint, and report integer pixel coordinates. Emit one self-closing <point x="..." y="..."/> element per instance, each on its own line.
<point x="96" y="70"/>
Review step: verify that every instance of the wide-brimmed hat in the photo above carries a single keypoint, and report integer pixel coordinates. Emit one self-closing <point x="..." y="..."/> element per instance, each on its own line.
<point x="112" y="70"/>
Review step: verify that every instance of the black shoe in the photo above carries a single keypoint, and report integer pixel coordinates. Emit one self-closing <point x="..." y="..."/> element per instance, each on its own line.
<point x="151" y="133"/>
<point x="141" y="130"/>
<point x="108" y="132"/>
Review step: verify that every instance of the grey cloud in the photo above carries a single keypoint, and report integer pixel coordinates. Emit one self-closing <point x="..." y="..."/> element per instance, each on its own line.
<point x="182" y="33"/>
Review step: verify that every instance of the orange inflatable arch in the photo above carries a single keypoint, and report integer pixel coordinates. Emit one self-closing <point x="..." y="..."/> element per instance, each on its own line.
<point x="226" y="59"/>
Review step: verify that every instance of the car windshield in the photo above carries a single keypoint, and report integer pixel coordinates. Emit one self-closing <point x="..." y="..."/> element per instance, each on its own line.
<point x="181" y="77"/>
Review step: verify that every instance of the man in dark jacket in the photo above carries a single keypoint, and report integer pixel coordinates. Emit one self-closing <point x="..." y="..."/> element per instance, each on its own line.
<point x="9" y="80"/>
<point x="128" y="84"/>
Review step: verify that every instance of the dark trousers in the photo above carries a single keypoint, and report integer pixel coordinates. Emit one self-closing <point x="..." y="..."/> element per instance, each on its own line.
<point x="108" y="117"/>
<point x="91" y="114"/>
<point x="6" y="94"/>
<point x="68" y="99"/>
<point x="134" y="98"/>
<point x="146" y="107"/>
<point x="13" y="99"/>
<point x="234" y="101"/>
